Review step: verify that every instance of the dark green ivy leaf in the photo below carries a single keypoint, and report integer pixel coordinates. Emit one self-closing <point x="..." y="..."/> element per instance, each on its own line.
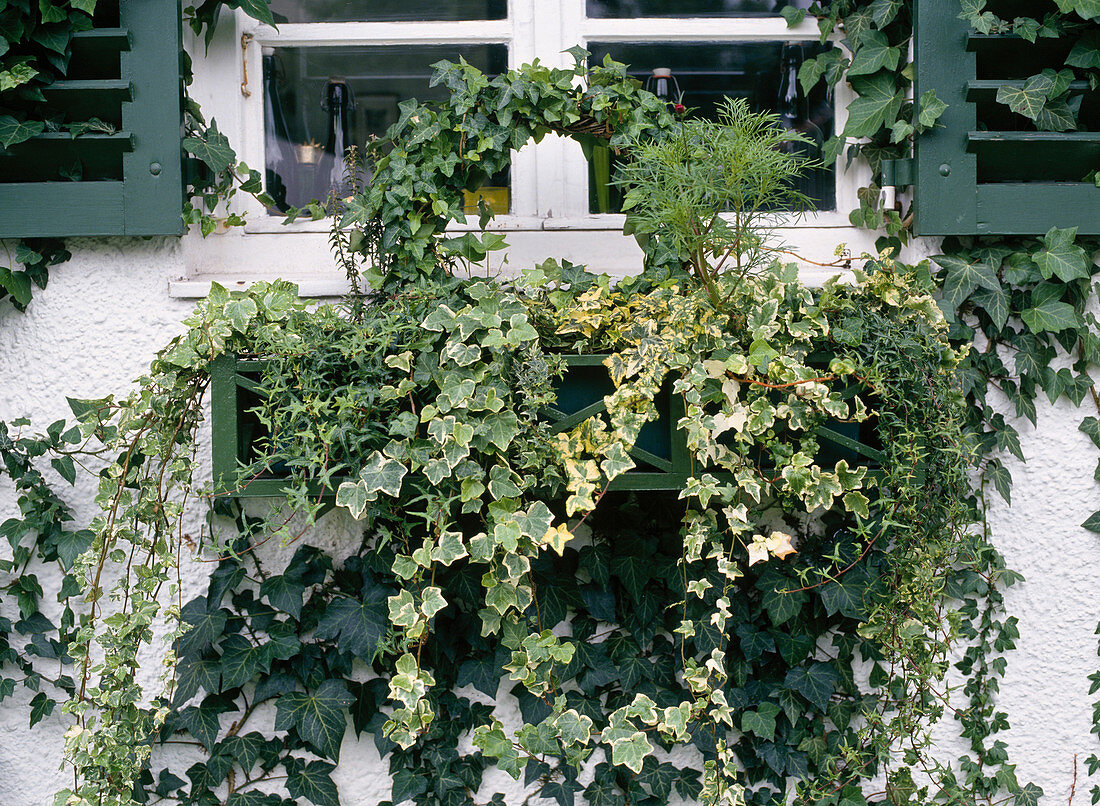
<point x="320" y="718"/>
<point x="963" y="277"/>
<point x="206" y="626"/>
<point x="13" y="131"/>
<point x="41" y="707"/>
<point x="284" y="593"/>
<point x="407" y="784"/>
<point x="202" y="723"/>
<point x="879" y="101"/>
<point x="215" y="150"/>
<point x="1093" y="522"/>
<point x="242" y="661"/>
<point x="357" y="625"/>
<point x="1001" y="478"/>
<point x="314" y="783"/>
<point x="71" y="545"/>
<point x="816" y="682"/>
<point x="1051" y="317"/>
<point x="1062" y="257"/>
<point x="761" y="721"/>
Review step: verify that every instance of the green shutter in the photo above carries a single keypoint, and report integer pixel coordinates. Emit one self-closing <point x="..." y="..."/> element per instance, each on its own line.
<point x="985" y="171"/>
<point x="125" y="72"/>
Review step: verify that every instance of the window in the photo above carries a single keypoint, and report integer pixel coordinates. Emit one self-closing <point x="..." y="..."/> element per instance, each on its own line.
<point x="336" y="69"/>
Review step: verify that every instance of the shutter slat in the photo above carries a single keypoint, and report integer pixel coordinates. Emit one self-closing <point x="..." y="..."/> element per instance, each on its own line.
<point x="128" y="182"/>
<point x="116" y="86"/>
<point x="987" y="170"/>
<point x="40" y="206"/>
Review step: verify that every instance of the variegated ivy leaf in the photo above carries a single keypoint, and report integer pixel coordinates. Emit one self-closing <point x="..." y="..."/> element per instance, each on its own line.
<point x="449" y="549"/>
<point x="856" y="503"/>
<point x="403" y="611"/>
<point x="432" y="601"/>
<point x="574" y="728"/>
<point x="382" y="474"/>
<point x="353" y="496"/>
<point x="556" y="537"/>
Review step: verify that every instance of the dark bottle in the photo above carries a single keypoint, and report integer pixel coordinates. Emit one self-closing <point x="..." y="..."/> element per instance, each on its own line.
<point x="793" y="116"/>
<point x="330" y="168"/>
<point x="280" y="165"/>
<point x="664" y="85"/>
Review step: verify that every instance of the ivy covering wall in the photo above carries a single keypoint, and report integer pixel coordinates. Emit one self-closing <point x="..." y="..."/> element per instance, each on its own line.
<point x="797" y="644"/>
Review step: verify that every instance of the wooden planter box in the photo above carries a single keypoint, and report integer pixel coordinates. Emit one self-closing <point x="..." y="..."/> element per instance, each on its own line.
<point x="662" y="459"/>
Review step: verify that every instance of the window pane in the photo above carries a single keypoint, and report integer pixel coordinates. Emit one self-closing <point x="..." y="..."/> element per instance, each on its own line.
<point x="387" y="10"/>
<point x="703" y="74"/>
<point x="690" y="8"/>
<point x="319" y="101"/>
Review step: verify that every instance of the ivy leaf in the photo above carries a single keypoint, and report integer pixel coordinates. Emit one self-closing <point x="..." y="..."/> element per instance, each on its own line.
<point x="320" y="718"/>
<point x="761" y="722"/>
<point x="358" y="625"/>
<point x="214" y="150"/>
<point x="258" y="10"/>
<point x="314" y="783"/>
<point x="873" y="54"/>
<point x="1086" y="10"/>
<point x="1030" y="794"/>
<point x="41" y="707"/>
<point x="285" y="593"/>
<point x="1086" y="52"/>
<point x="1029" y="99"/>
<point x="71" y="545"/>
<point x="354" y="497"/>
<point x="206" y="626"/>
<point x="658" y="777"/>
<point x="963" y="277"/>
<point x="407" y="784"/>
<point x="13" y="131"/>
<point x="633" y="572"/>
<point x="563" y="792"/>
<point x="1001" y="478"/>
<point x="1092" y="523"/>
<point x="1051" y="317"/>
<point x="841" y="596"/>
<point x="253" y="797"/>
<point x="879" y="101"/>
<point x="883" y="12"/>
<point x="1059" y="116"/>
<point x="242" y="661"/>
<point x="382" y="474"/>
<point x="604" y="792"/>
<point x="483" y="673"/>
<point x="1062" y="257"/>
<point x="816" y="682"/>
<point x="631" y="751"/>
<point x="994" y="302"/>
<point x="931" y="108"/>
<point x="783" y="605"/>
<point x="793" y="16"/>
<point x="202" y="723"/>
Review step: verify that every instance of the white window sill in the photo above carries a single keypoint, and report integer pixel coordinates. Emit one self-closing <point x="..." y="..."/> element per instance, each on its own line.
<point x="264" y="251"/>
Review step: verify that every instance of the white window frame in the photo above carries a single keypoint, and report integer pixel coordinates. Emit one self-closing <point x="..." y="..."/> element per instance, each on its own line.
<point x="549" y="193"/>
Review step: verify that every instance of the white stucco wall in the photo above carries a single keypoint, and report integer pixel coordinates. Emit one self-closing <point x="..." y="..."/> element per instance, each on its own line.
<point x="108" y="310"/>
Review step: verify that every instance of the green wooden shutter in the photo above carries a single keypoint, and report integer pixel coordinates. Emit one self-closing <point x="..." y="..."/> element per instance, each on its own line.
<point x="126" y="72"/>
<point x="985" y="172"/>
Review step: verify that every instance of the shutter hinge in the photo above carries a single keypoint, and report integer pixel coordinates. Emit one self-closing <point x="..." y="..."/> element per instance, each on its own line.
<point x="897" y="173"/>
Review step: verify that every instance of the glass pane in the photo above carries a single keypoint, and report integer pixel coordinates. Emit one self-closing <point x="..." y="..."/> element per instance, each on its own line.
<point x="700" y="75"/>
<point x="319" y="101"/>
<point x="690" y="8"/>
<point x="387" y="10"/>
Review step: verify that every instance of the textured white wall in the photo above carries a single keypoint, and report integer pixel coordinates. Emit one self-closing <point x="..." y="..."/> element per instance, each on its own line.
<point x="108" y="310"/>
